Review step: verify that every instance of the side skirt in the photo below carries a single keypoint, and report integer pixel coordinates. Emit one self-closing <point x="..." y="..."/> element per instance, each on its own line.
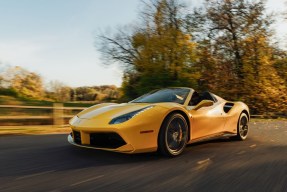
<point x="212" y="137"/>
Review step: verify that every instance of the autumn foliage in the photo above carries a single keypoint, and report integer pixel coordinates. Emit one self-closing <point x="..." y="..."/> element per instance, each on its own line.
<point x="18" y="82"/>
<point x="225" y="46"/>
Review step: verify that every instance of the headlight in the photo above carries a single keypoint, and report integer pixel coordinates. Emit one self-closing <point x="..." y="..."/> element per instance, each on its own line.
<point x="128" y="116"/>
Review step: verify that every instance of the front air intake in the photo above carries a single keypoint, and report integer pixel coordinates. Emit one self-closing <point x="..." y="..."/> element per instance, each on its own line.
<point x="106" y="140"/>
<point x="77" y="137"/>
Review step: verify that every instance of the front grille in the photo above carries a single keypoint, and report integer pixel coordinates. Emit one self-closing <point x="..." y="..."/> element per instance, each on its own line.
<point x="77" y="137"/>
<point x="106" y="140"/>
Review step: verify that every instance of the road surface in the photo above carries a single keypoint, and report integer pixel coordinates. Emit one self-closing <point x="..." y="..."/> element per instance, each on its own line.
<point x="49" y="163"/>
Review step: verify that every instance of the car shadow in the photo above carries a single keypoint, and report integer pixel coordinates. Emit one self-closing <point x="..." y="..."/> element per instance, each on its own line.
<point x="62" y="156"/>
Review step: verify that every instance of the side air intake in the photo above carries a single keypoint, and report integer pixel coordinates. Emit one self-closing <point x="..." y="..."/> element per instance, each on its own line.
<point x="227" y="107"/>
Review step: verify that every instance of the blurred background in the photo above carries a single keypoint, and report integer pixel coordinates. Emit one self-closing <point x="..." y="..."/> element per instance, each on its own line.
<point x="59" y="57"/>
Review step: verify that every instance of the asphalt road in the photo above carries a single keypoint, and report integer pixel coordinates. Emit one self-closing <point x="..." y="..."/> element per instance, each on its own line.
<point x="49" y="163"/>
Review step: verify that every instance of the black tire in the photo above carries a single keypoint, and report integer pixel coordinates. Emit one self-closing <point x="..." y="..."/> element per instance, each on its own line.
<point x="173" y="135"/>
<point x="242" y="127"/>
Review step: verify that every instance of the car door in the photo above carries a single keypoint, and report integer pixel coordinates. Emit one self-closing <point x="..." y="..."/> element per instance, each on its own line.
<point x="207" y="121"/>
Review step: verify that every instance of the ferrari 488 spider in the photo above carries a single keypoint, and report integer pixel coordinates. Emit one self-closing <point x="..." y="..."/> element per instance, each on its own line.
<point x="165" y="120"/>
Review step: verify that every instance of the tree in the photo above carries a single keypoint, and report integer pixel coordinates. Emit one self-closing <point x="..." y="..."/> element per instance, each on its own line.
<point x="158" y="52"/>
<point x="5" y="75"/>
<point x="1" y="81"/>
<point x="95" y="93"/>
<point x="59" y="91"/>
<point x="262" y="79"/>
<point x="236" y="56"/>
<point x="228" y="23"/>
<point x="281" y="67"/>
<point x="1" y="75"/>
<point x="27" y="83"/>
<point x="225" y="47"/>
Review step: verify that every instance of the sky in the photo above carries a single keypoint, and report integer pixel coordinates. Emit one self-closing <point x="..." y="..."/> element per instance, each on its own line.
<point x="56" y="38"/>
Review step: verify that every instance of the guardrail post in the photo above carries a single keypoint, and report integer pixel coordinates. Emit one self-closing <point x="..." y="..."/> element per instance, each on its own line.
<point x="58" y="114"/>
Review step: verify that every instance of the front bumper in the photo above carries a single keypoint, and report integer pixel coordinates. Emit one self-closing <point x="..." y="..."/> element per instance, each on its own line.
<point x="124" y="149"/>
<point x="137" y="138"/>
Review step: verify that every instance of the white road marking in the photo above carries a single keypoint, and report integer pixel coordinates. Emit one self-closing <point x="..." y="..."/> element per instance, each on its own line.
<point x="33" y="175"/>
<point x="241" y="152"/>
<point x="203" y="161"/>
<point x="87" y="180"/>
<point x="202" y="165"/>
<point x="251" y="146"/>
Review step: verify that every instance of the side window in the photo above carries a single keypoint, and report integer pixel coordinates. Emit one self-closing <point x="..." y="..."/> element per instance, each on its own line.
<point x="208" y="96"/>
<point x="195" y="99"/>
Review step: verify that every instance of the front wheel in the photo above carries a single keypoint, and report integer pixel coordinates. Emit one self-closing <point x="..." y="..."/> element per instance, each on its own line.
<point x="242" y="127"/>
<point x="173" y="135"/>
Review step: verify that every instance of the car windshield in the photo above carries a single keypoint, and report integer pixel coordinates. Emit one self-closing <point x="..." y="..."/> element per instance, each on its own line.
<point x="175" y="95"/>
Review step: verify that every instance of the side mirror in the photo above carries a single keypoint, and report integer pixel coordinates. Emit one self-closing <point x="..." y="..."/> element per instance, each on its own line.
<point x="203" y="103"/>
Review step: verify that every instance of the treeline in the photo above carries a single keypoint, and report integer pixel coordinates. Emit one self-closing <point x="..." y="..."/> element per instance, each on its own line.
<point x="225" y="46"/>
<point x="19" y="82"/>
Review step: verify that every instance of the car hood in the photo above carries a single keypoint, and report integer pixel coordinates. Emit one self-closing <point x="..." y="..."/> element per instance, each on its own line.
<point x="111" y="110"/>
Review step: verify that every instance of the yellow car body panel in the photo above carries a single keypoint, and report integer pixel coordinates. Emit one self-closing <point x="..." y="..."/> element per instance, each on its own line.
<point x="140" y="133"/>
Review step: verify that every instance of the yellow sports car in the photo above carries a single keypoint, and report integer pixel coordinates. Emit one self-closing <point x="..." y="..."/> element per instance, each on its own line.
<point x="165" y="120"/>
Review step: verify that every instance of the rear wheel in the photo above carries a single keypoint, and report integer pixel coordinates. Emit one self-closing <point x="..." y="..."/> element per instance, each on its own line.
<point x="242" y="127"/>
<point x="173" y="135"/>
